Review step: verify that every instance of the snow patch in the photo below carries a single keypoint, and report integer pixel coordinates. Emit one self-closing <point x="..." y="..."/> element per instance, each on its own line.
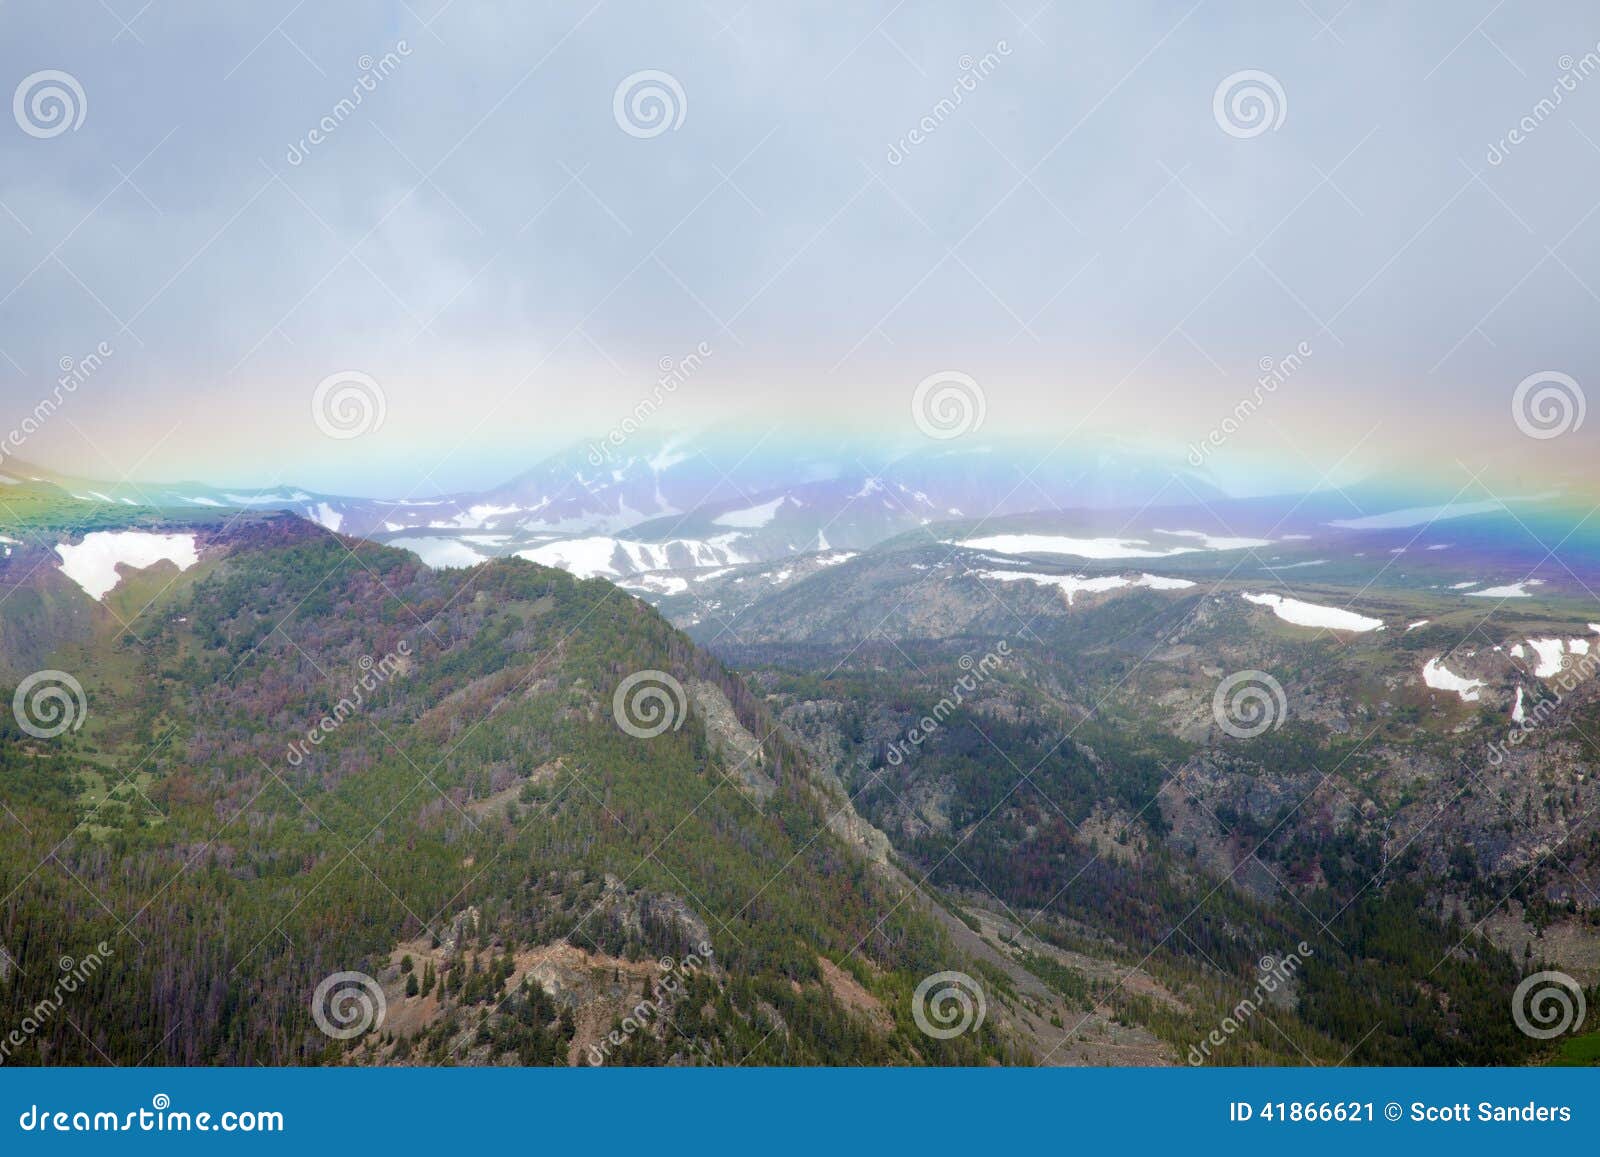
<point x="1070" y="584"/>
<point x="1159" y="583"/>
<point x="659" y="584"/>
<point x="92" y="563"/>
<point x="584" y="557"/>
<point x="1304" y="614"/>
<point x="439" y="553"/>
<point x="1218" y="542"/>
<point x="1098" y="548"/>
<point x="328" y="516"/>
<point x="604" y="556"/>
<point x="1436" y="675"/>
<point x="751" y="517"/>
<point x="266" y="499"/>
<point x="1551" y="652"/>
<point x="1509" y="591"/>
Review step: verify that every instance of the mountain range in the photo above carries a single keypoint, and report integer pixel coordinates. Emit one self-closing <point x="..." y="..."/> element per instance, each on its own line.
<point x="1102" y="754"/>
<point x="666" y="513"/>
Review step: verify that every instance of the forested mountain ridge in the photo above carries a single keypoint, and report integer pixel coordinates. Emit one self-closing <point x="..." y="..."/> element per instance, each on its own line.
<point x="542" y="826"/>
<point x="308" y="751"/>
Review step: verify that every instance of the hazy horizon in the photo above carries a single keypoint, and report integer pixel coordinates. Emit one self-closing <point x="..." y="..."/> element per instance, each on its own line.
<point x="1054" y="204"/>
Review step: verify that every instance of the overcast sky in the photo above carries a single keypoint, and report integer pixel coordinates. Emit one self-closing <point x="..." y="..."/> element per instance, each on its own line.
<point x="1085" y="234"/>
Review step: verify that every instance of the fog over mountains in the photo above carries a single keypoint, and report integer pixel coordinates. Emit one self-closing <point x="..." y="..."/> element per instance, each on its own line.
<point x="660" y="513"/>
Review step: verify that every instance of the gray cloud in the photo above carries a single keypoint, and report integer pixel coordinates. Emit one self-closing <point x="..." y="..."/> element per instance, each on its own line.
<point x="1077" y="233"/>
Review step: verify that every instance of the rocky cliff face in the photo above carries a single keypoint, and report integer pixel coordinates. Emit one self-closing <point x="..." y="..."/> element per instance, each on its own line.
<point x="1428" y="746"/>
